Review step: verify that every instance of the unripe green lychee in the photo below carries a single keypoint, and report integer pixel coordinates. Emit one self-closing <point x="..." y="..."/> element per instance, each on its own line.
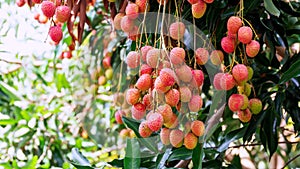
<point x="250" y="72"/>
<point x="246" y="102"/>
<point x="255" y="105"/>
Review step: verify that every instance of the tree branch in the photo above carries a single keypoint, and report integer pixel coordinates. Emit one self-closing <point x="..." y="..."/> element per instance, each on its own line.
<point x="288" y="162"/>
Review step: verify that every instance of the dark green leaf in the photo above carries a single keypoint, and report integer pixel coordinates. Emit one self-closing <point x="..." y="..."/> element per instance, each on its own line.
<point x="162" y="158"/>
<point x="271" y="8"/>
<point x="132" y="157"/>
<point x="230" y="137"/>
<point x="117" y="163"/>
<point x="292" y="72"/>
<point x="79" y="159"/>
<point x="10" y="91"/>
<point x="197" y="156"/>
<point x="181" y="154"/>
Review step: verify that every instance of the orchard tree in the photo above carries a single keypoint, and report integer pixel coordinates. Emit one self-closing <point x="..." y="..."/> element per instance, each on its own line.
<point x="195" y="84"/>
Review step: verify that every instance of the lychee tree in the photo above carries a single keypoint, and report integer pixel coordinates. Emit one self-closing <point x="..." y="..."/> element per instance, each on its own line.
<point x="192" y="81"/>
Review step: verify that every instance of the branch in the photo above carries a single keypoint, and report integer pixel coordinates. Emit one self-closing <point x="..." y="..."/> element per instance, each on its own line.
<point x="292" y="159"/>
<point x="182" y="164"/>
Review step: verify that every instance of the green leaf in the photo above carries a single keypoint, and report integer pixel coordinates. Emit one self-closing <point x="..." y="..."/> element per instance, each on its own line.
<point x="230" y="137"/>
<point x="132" y="156"/>
<point x="79" y="161"/>
<point x="271" y="8"/>
<point x="292" y="72"/>
<point x="61" y="82"/>
<point x="32" y="163"/>
<point x="117" y="163"/>
<point x="8" y="121"/>
<point x="162" y="158"/>
<point x="10" y="91"/>
<point x="181" y="154"/>
<point x="197" y="156"/>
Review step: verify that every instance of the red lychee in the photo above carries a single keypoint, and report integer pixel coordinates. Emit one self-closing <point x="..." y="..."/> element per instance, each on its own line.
<point x="160" y="86"/>
<point x="198" y="128"/>
<point x="55" y="33"/>
<point x="37" y="1"/>
<point x="132" y="96"/>
<point x="195" y="103"/>
<point x="190" y="141"/>
<point x="245" y="34"/>
<point x="177" y="55"/>
<point x="216" y="57"/>
<point x="172" y="97"/>
<point x="235" y="102"/>
<point x="198" y="9"/>
<point x="133" y="59"/>
<point x="176" y="138"/>
<point x="142" y="4"/>
<point x="208" y="1"/>
<point x="227" y="81"/>
<point x="217" y="81"/>
<point x="126" y="24"/>
<point x="144" y="51"/>
<point x="228" y="44"/>
<point x="198" y="77"/>
<point x="20" y="3"/>
<point x="165" y="136"/>
<point x="166" y="112"/>
<point x="155" y="121"/>
<point x="144" y="82"/>
<point x="177" y="30"/>
<point x="185" y="94"/>
<point x="145" y="69"/>
<point x="147" y="101"/>
<point x="144" y="130"/>
<point x="173" y="123"/>
<point x="48" y="8"/>
<point x="244" y="115"/>
<point x="184" y="73"/>
<point x="132" y="11"/>
<point x="117" y="21"/>
<point x="167" y="76"/>
<point x="118" y="116"/>
<point x="192" y="1"/>
<point x="240" y="73"/>
<point x="233" y="24"/>
<point x="138" y="111"/>
<point x="62" y="13"/>
<point x="201" y="55"/>
<point x="153" y="56"/>
<point x="252" y="48"/>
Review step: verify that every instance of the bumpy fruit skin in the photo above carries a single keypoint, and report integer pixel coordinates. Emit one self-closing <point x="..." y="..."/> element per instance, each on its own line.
<point x="62" y="13"/>
<point x="126" y="24"/>
<point x="250" y="72"/>
<point x="198" y="77"/>
<point x="255" y="105"/>
<point x="172" y="97"/>
<point x="177" y="55"/>
<point x="216" y="57"/>
<point x="152" y="57"/>
<point x="144" y="82"/>
<point x="217" y="81"/>
<point x="184" y="73"/>
<point x="201" y="55"/>
<point x="244" y="115"/>
<point x="132" y="11"/>
<point x="173" y="123"/>
<point x="192" y="1"/>
<point x="190" y="141"/>
<point x="155" y="121"/>
<point x="147" y="101"/>
<point x="235" y="102"/>
<point x="48" y="8"/>
<point x="160" y="86"/>
<point x="145" y="69"/>
<point x="37" y="1"/>
<point x="124" y="133"/>
<point x="117" y="21"/>
<point x="167" y="76"/>
<point x="228" y="44"/>
<point x="166" y="112"/>
<point x="227" y="81"/>
<point x="132" y="96"/>
<point x="247" y="89"/>
<point x="176" y="138"/>
<point x="118" y="116"/>
<point x="165" y="136"/>
<point x="141" y="4"/>
<point x="20" y="3"/>
<point x="245" y="34"/>
<point x="144" y="51"/>
<point x="195" y="103"/>
<point x="185" y="94"/>
<point x="138" y="111"/>
<point x="252" y="48"/>
<point x="177" y="30"/>
<point x="240" y="73"/>
<point x="55" y="33"/>
<point x="133" y="59"/>
<point x="198" y="128"/>
<point x="198" y="9"/>
<point x="144" y="130"/>
<point x="246" y="102"/>
<point x="233" y="24"/>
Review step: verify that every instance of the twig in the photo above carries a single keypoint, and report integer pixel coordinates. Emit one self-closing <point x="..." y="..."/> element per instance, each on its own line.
<point x="292" y="159"/>
<point x="182" y="164"/>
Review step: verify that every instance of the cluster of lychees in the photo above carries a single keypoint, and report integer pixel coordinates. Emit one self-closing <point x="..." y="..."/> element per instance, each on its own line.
<point x="240" y="73"/>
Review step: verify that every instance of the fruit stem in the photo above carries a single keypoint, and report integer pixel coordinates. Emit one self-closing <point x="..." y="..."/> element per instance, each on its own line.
<point x="256" y="36"/>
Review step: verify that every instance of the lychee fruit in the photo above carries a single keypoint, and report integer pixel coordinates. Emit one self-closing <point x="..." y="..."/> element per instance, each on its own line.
<point x="144" y="82"/>
<point x="172" y="97"/>
<point x="184" y="73"/>
<point x="132" y="11"/>
<point x="147" y="101"/>
<point x="166" y="112"/>
<point x="192" y="1"/>
<point x="190" y="141"/>
<point x="138" y="111"/>
<point x="208" y="1"/>
<point x="252" y="48"/>
<point x="245" y="34"/>
<point x="228" y="44"/>
<point x="153" y="57"/>
<point x="235" y="102"/>
<point x="144" y="130"/>
<point x="195" y="103"/>
<point x="124" y="133"/>
<point x="185" y="94"/>
<point x="201" y="55"/>
<point x="144" y="51"/>
<point x="62" y="13"/>
<point x="20" y="3"/>
<point x="217" y="81"/>
<point x="165" y="136"/>
<point x="118" y="116"/>
<point x="173" y="123"/>
<point x="126" y="24"/>
<point x="37" y="1"/>
<point x="167" y="76"/>
<point x="48" y="8"/>
<point x="160" y="86"/>
<point x="227" y="81"/>
<point x="255" y="105"/>
<point x="176" y="138"/>
<point x="142" y="4"/>
<point x="198" y="77"/>
<point x="177" y="55"/>
<point x="250" y="72"/>
<point x="216" y="57"/>
<point x="247" y="89"/>
<point x="198" y="128"/>
<point x="55" y="33"/>
<point x="177" y="30"/>
<point x="244" y="115"/>
<point x="106" y="62"/>
<point x="198" y="9"/>
<point x="240" y="73"/>
<point x="233" y="24"/>
<point x="155" y="121"/>
<point x="246" y="102"/>
<point x="117" y="21"/>
<point x="145" y="69"/>
<point x="132" y="96"/>
<point x="133" y="59"/>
